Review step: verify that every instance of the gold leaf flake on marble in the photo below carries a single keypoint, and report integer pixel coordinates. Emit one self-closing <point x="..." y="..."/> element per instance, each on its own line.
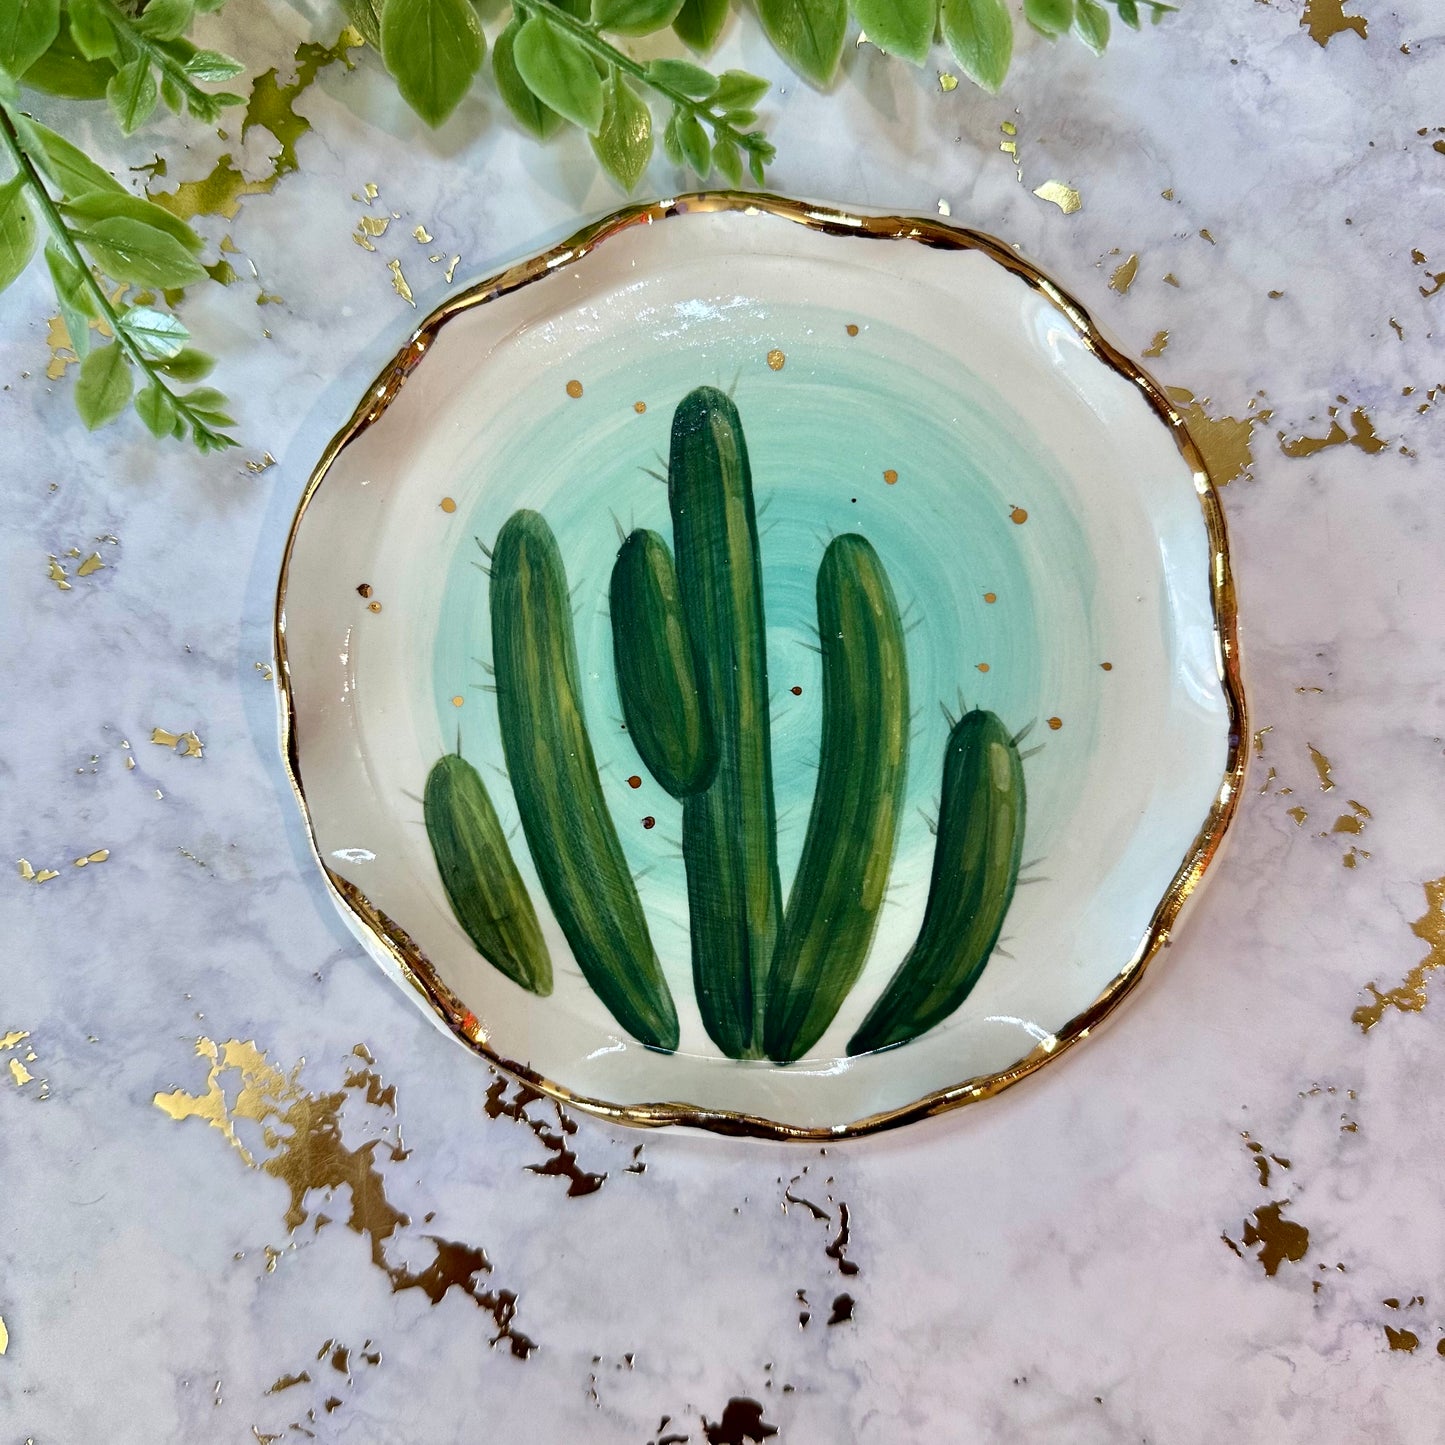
<point x="91" y="564"/>
<point x="4" y="1336"/>
<point x="1299" y="815"/>
<point x="1402" y="1339"/>
<point x="1362" y="435"/>
<point x="62" y="350"/>
<point x="1352" y="822"/>
<point x="264" y="668"/>
<point x="1324" y="19"/>
<point x="1124" y="274"/>
<point x="1066" y="198"/>
<point x="272" y="107"/>
<point x="946" y="81"/>
<point x="451" y="269"/>
<point x="1226" y="442"/>
<point x="1322" y="768"/>
<point x="1156" y="347"/>
<point x="256" y="467"/>
<point x="1259" y="736"/>
<point x="422" y="236"/>
<point x="399" y="282"/>
<point x="56" y="574"/>
<point x="1411" y="995"/>
<point x="373" y="226"/>
<point x="1279" y="1239"/>
<point x="1170" y="279"/>
<point x="12" y="1039"/>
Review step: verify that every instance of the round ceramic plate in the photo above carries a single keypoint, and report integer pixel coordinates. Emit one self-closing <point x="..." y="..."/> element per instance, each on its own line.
<point x="764" y="668"/>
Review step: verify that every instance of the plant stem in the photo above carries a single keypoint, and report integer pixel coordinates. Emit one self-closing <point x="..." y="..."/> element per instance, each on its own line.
<point x="60" y="232"/>
<point x="591" y="40"/>
<point x="158" y="56"/>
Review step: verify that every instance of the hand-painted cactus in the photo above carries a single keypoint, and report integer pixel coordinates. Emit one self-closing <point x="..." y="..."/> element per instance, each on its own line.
<point x="690" y="651"/>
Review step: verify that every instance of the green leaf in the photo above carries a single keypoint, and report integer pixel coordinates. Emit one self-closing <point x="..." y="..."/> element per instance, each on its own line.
<point x="17" y="230"/>
<point x="900" y="27"/>
<point x="634" y="17"/>
<point x="672" y="141"/>
<point x="695" y="145"/>
<point x="132" y="94"/>
<point x="91" y="30"/>
<point x="366" y="16"/>
<point x="700" y="22"/>
<point x="69" y="166"/>
<point x="211" y="66"/>
<point x="529" y="112"/>
<point x="1049" y="17"/>
<point x="157" y="333"/>
<point x="27" y="30"/>
<point x="737" y="90"/>
<point x="624" y="144"/>
<point x="1091" y="24"/>
<point x="434" y="48"/>
<point x="73" y="297"/>
<point x="208" y="404"/>
<point x="560" y="73"/>
<point x="104" y="387"/>
<point x="728" y="159"/>
<point x="157" y="410"/>
<point x="165" y="19"/>
<point x="1128" y="13"/>
<point x="682" y="77"/>
<point x="131" y="250"/>
<point x="175" y="99"/>
<point x="980" y="33"/>
<point x="63" y="70"/>
<point x="808" y="34"/>
<point x="188" y="365"/>
<point x="100" y="205"/>
<point x="756" y="161"/>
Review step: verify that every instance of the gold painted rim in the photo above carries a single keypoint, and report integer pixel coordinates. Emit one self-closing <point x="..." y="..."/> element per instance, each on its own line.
<point x="417" y="968"/>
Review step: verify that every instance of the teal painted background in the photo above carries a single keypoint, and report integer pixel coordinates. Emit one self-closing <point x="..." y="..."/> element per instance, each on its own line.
<point x="821" y="434"/>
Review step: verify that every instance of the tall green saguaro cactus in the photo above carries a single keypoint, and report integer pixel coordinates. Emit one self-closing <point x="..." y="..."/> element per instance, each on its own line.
<point x="689" y="643"/>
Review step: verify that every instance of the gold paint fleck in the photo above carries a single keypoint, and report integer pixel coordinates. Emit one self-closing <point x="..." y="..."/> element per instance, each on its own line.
<point x="1322" y="768"/>
<point x="451" y="269"/>
<point x="1298" y="814"/>
<point x="1204" y="231"/>
<point x="891" y="477"/>
<point x="776" y="359"/>
<point x="267" y="461"/>
<point x="91" y="564"/>
<point x="947" y="82"/>
<point x="373" y="606"/>
<point x="373" y="226"/>
<point x="1066" y="198"/>
<point x="1107" y="666"/>
<point x="1406" y="1340"/>
<point x="1018" y="516"/>
<point x="1324" y="19"/>
<point x="62" y="350"/>
<point x="271" y="107"/>
<point x="1167" y="195"/>
<point x="57" y="574"/>
<point x="458" y="700"/>
<point x="851" y="328"/>
<point x="1259" y="739"/>
<point x="4" y="1336"/>
<point x="371" y="191"/>
<point x="1055" y="723"/>
<point x="20" y="1073"/>
<point x="1170" y="279"/>
<point x="1410" y="996"/>
<point x="639" y="407"/>
<point x="1224" y="441"/>
<point x="990" y="597"/>
<point x="1361" y="435"/>
<point x="363" y="589"/>
<point x="399" y="282"/>
<point x="1156" y="347"/>
<point x="448" y="505"/>
<point x="574" y="389"/>
<point x="1124" y="274"/>
<point x="421" y="235"/>
<point x="982" y="666"/>
<point x="99" y="856"/>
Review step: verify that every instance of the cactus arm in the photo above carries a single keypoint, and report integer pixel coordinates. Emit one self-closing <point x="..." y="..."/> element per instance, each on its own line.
<point x="836" y="896"/>
<point x="975" y="869"/>
<point x="482" y="884"/>
<point x="553" y="773"/>
<point x="655" y="678"/>
<point x="729" y="831"/>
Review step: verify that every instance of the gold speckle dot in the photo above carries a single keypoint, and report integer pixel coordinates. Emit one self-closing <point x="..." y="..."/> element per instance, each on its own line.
<point x="1018" y="516"/>
<point x="448" y="505"/>
<point x="891" y="477"/>
<point x="363" y="589"/>
<point x="639" y="407"/>
<point x="574" y="389"/>
<point x="852" y="328"/>
<point x="634" y="781"/>
<point x="982" y="666"/>
<point x="649" y="822"/>
<point x="776" y="359"/>
<point x="373" y="606"/>
<point x="458" y="700"/>
<point x="1107" y="666"/>
<point x="1055" y="723"/>
<point x="990" y="596"/>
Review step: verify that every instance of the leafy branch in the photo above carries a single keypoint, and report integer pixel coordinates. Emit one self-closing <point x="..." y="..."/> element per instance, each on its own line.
<point x="121" y="234"/>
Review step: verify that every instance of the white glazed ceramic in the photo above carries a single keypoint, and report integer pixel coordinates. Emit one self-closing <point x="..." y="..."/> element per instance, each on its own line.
<point x="1049" y="529"/>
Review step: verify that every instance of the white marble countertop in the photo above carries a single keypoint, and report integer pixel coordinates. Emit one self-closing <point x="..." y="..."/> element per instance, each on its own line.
<point x="1218" y="1220"/>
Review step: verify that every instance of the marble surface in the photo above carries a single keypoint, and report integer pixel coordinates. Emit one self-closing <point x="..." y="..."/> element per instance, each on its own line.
<point x="1102" y="1254"/>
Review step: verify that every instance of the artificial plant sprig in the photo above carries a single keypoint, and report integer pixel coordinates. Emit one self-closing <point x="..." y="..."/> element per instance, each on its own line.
<point x="94" y="222"/>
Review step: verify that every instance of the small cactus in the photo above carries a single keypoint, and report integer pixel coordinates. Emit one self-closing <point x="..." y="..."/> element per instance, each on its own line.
<point x="689" y="644"/>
